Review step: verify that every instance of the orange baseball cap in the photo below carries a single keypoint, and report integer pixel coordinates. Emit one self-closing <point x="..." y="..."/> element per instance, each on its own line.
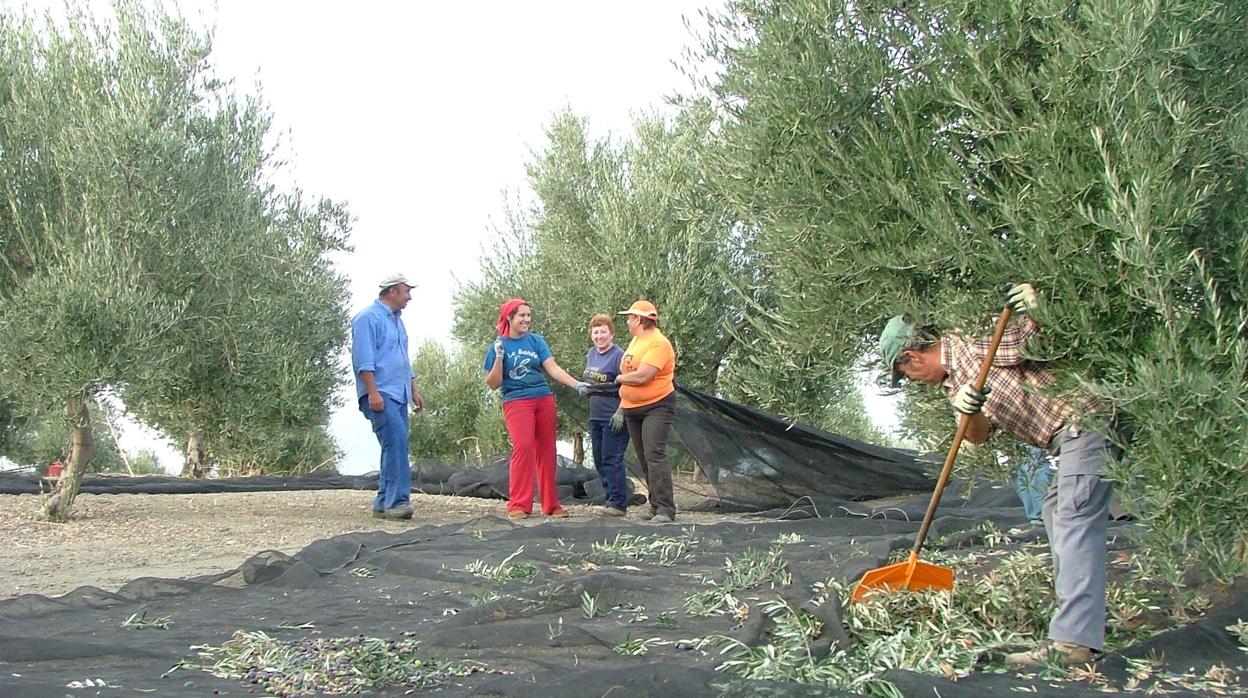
<point x="642" y="309"/>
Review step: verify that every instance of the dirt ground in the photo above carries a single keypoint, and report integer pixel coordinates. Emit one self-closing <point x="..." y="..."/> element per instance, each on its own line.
<point x="114" y="538"/>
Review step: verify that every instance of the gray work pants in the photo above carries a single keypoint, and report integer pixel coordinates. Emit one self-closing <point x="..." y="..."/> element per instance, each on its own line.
<point x="1076" y="516"/>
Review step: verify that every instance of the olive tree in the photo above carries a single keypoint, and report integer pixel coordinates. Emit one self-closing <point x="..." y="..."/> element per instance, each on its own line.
<point x="462" y="420"/>
<point x="143" y="249"/>
<point x="915" y="156"/>
<point x="612" y="222"/>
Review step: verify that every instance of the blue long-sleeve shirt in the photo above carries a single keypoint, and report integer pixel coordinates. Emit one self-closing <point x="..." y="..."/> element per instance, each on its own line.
<point x="379" y="344"/>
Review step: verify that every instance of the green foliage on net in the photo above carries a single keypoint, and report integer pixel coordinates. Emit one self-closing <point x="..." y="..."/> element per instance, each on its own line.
<point x="999" y="605"/>
<point x="901" y="156"/>
<point x="325" y="666"/>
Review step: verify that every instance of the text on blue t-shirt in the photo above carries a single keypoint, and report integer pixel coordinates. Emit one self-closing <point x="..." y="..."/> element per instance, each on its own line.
<point x="523" y="375"/>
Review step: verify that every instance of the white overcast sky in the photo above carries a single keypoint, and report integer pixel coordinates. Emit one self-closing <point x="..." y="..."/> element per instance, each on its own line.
<point x="420" y="116"/>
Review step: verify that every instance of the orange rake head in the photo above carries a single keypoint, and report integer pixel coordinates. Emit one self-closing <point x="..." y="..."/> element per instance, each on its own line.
<point x="911" y="574"/>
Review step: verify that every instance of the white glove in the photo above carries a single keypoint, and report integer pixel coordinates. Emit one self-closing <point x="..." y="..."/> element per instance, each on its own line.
<point x="499" y="352"/>
<point x="968" y="400"/>
<point x="1022" y="298"/>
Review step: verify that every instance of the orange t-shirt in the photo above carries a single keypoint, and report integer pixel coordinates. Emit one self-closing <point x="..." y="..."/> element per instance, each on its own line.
<point x="652" y="350"/>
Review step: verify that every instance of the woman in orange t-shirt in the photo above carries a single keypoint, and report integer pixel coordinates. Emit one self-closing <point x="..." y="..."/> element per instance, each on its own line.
<point x="648" y="400"/>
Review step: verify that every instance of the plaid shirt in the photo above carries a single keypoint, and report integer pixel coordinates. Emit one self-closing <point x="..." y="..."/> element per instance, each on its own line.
<point x="1016" y="403"/>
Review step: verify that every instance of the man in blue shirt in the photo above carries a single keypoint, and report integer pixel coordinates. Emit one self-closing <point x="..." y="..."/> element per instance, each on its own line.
<point x="384" y="385"/>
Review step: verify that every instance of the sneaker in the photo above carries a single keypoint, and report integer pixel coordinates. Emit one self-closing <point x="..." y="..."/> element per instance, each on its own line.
<point x="646" y="515"/>
<point x="1064" y="653"/>
<point x="611" y="511"/>
<point x="395" y="513"/>
<point x="661" y="518"/>
<point x="559" y="513"/>
<point x="517" y="514"/>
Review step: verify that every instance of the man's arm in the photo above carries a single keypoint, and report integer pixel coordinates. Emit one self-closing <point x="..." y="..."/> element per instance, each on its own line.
<point x="417" y="399"/>
<point x="1013" y="342"/>
<point x="979" y="429"/>
<point x="375" y="402"/>
<point x="363" y="362"/>
<point x="968" y="402"/>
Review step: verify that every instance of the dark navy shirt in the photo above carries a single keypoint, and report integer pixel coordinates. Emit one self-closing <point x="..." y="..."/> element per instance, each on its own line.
<point x="523" y="375"/>
<point x="603" y="368"/>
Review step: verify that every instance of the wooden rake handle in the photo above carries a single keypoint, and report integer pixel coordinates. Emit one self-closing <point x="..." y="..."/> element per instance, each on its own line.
<point x="963" y="424"/>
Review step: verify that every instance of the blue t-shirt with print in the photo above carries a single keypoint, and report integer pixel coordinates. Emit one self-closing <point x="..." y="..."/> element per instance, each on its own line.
<point x="523" y="376"/>
<point x="603" y="367"/>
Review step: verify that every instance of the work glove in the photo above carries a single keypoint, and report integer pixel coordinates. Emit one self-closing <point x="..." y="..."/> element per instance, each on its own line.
<point x="968" y="400"/>
<point x="1021" y="298"/>
<point x="582" y="388"/>
<point x="617" y="420"/>
<point x="499" y="353"/>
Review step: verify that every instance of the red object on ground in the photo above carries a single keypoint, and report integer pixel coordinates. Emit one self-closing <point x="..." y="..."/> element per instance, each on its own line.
<point x="55" y="469"/>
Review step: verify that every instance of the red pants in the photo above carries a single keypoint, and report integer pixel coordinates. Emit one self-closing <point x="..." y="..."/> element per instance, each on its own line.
<point x="531" y="426"/>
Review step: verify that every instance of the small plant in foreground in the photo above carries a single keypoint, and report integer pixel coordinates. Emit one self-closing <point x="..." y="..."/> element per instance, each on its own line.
<point x="661" y="550"/>
<point x="1240" y="630"/>
<point x="589" y="605"/>
<point x="554" y="630"/>
<point x="140" y="621"/>
<point x="746" y="571"/>
<point x="988" y="614"/>
<point x="504" y="571"/>
<point x="333" y="666"/>
<point x="636" y="647"/>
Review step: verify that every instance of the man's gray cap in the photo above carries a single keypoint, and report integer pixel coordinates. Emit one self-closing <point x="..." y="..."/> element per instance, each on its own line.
<point x="394" y="280"/>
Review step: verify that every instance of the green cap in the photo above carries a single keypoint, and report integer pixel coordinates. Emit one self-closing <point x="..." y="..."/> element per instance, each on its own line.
<point x="896" y="333"/>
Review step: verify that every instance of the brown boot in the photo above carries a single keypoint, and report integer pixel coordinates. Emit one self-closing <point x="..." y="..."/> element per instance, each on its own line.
<point x="1064" y="653"/>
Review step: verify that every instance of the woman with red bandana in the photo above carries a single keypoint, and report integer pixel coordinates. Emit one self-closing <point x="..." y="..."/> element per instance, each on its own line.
<point x="518" y="363"/>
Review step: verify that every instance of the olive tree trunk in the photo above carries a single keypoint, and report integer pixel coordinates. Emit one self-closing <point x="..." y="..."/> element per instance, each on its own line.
<point x="194" y="465"/>
<point x="81" y="445"/>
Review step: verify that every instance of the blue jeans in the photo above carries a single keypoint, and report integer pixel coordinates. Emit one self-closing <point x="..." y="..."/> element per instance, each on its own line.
<point x="394" y="484"/>
<point x="609" y="446"/>
<point x="1031" y="482"/>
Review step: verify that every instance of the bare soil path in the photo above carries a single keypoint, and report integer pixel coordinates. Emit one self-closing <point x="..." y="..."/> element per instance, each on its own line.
<point x="114" y="538"/>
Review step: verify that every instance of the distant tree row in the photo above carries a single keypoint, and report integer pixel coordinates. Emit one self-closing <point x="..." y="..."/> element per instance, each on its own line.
<point x="838" y="162"/>
<point x="145" y="252"/>
<point x="614" y="221"/>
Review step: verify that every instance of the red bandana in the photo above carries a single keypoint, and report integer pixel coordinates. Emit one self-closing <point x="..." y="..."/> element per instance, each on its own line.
<point x="504" y="315"/>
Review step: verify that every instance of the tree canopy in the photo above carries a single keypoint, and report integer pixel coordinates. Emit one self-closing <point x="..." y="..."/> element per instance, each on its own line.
<point x="145" y="251"/>
<point x="903" y="156"/>
<point x="614" y="220"/>
<point x="463" y="419"/>
<point x="838" y="163"/>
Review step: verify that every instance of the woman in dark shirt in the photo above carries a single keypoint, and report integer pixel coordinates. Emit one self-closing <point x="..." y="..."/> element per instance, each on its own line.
<point x="609" y="440"/>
